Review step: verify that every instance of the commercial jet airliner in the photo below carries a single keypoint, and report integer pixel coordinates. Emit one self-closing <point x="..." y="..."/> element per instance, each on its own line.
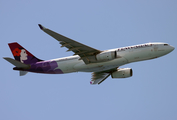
<point x="102" y="64"/>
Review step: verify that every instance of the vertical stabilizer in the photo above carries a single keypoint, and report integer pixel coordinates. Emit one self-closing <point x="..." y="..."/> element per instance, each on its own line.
<point x="21" y="54"/>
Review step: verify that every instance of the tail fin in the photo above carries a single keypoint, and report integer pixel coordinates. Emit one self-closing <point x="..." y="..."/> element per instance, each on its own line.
<point x="21" y="54"/>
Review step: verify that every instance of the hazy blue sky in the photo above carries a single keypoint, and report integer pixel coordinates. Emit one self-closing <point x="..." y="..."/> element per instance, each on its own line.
<point x="150" y="94"/>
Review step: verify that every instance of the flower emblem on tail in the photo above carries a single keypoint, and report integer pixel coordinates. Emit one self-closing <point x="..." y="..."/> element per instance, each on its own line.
<point x="16" y="52"/>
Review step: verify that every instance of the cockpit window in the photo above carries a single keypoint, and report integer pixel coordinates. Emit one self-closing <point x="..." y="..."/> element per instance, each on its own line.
<point x="165" y="44"/>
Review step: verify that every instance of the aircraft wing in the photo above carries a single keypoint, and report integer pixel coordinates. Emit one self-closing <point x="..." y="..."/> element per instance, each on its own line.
<point x="99" y="77"/>
<point x="86" y="53"/>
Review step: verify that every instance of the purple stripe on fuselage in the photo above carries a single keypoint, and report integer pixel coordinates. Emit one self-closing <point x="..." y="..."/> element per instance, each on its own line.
<point x="48" y="67"/>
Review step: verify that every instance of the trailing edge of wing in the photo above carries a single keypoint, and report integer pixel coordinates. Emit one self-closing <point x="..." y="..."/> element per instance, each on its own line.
<point x="85" y="52"/>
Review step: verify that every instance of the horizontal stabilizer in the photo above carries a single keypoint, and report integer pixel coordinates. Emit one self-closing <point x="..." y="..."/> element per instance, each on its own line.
<point x="17" y="63"/>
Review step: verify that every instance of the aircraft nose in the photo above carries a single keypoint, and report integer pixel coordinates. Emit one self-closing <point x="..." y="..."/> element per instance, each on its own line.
<point x="172" y="48"/>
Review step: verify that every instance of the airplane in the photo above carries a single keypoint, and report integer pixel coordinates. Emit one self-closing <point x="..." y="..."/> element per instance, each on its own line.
<point x="102" y="64"/>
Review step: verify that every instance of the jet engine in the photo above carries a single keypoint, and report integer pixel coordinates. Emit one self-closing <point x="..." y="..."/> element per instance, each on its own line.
<point x="106" y="56"/>
<point x="122" y="73"/>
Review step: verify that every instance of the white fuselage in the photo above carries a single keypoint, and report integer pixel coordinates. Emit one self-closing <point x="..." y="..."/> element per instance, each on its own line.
<point x="125" y="55"/>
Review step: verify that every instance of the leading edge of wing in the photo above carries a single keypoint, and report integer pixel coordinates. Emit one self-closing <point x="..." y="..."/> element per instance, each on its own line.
<point x="84" y="51"/>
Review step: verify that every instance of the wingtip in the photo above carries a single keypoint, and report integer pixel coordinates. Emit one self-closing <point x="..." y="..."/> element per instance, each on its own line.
<point x="41" y="27"/>
<point x="5" y="58"/>
<point x="91" y="82"/>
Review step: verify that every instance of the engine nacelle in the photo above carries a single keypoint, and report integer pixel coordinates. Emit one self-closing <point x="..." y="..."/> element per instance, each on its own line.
<point x="122" y="73"/>
<point x="106" y="56"/>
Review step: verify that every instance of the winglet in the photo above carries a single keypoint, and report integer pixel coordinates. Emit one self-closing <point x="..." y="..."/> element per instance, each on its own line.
<point x="41" y="27"/>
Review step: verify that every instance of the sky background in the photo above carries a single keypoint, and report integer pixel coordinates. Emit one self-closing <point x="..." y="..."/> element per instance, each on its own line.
<point x="150" y="94"/>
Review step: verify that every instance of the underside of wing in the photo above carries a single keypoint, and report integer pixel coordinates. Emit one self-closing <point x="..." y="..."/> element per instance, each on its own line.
<point x="99" y="77"/>
<point x="86" y="53"/>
